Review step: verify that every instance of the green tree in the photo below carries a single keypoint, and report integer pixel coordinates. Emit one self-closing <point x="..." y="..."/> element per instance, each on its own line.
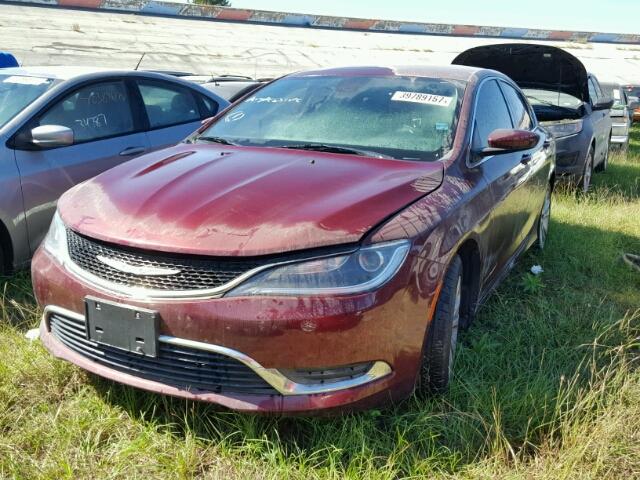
<point x="220" y="3"/>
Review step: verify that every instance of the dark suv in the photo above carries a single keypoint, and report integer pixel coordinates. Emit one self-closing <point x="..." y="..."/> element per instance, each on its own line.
<point x="567" y="100"/>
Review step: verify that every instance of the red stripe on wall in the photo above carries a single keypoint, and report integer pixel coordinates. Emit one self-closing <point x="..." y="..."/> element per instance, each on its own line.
<point x="240" y="15"/>
<point x="359" y="24"/>
<point x="80" y="3"/>
<point x="559" y="35"/>
<point x="465" y="30"/>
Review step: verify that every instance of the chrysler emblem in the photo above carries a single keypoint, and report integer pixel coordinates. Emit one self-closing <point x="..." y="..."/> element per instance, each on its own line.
<point x="140" y="270"/>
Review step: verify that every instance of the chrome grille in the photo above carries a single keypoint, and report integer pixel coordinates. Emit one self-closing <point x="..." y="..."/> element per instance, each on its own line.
<point x="183" y="367"/>
<point x="196" y="273"/>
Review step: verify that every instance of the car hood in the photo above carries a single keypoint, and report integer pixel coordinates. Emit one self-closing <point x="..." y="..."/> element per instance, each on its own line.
<point x="532" y="66"/>
<point x="242" y="201"/>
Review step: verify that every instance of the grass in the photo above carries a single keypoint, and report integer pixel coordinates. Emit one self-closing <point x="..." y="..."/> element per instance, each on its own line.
<point x="547" y="385"/>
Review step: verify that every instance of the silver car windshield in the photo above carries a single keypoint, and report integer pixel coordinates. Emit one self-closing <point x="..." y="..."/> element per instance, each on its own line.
<point x="17" y="92"/>
<point x="411" y="118"/>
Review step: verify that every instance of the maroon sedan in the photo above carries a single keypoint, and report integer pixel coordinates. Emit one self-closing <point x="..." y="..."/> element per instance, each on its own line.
<point x="316" y="246"/>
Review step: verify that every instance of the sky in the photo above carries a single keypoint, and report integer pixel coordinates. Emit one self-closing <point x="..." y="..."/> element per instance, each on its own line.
<point x="610" y="16"/>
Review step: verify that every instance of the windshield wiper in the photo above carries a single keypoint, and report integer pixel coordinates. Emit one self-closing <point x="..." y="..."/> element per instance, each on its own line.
<point x="220" y="140"/>
<point x="319" y="147"/>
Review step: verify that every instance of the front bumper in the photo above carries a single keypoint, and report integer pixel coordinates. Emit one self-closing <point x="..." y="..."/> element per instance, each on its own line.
<point x="385" y="328"/>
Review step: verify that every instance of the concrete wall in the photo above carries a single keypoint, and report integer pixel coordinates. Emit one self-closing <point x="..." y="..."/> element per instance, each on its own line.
<point x="175" y="9"/>
<point x="40" y="35"/>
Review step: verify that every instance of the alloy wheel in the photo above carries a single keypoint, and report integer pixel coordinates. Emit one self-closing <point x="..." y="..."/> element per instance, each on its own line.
<point x="588" y="172"/>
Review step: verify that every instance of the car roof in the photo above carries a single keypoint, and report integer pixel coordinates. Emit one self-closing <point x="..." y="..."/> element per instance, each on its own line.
<point x="56" y="72"/>
<point x="451" y="72"/>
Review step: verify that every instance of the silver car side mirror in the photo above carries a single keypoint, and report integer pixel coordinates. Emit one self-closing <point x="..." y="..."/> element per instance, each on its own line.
<point x="52" y="136"/>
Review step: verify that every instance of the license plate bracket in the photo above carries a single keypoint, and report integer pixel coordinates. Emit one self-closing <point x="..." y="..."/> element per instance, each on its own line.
<point x="129" y="328"/>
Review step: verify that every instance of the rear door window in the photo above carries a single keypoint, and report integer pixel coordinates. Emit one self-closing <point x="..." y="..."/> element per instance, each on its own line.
<point x="95" y="111"/>
<point x="168" y="104"/>
<point x="491" y="114"/>
<point x="517" y="107"/>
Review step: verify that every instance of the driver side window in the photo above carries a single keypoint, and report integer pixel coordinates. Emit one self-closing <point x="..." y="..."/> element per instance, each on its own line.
<point x="491" y="114"/>
<point x="95" y="111"/>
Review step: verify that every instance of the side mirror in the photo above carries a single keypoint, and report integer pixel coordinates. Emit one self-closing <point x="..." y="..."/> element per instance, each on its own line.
<point x="605" y="105"/>
<point x="508" y="141"/>
<point x="52" y="136"/>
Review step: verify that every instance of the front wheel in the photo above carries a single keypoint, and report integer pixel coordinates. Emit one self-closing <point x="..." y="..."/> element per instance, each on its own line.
<point x="587" y="173"/>
<point x="442" y="337"/>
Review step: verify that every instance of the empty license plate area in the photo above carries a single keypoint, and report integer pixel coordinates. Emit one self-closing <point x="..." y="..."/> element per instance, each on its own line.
<point x="129" y="328"/>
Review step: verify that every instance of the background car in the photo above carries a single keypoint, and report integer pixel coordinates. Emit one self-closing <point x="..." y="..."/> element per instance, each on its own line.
<point x="7" y="60"/>
<point x="229" y="87"/>
<point x="567" y="100"/>
<point x="60" y="126"/>
<point x="318" y="246"/>
<point x="633" y="94"/>
<point x="621" y="115"/>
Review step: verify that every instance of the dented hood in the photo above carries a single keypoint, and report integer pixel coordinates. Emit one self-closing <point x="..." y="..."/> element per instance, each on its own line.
<point x="532" y="66"/>
<point x="219" y="200"/>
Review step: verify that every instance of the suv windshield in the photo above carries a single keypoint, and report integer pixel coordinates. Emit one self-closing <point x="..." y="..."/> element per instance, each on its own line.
<point x="551" y="98"/>
<point x="401" y="117"/>
<point x="17" y="92"/>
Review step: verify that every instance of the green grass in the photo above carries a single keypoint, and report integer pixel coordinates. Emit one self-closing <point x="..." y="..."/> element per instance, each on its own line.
<point x="546" y="385"/>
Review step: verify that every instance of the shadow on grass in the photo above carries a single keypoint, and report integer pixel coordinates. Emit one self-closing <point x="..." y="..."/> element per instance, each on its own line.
<point x="509" y="373"/>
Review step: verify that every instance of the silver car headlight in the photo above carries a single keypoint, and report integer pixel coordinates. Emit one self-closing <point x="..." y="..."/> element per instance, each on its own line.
<point x="55" y="243"/>
<point x="363" y="270"/>
<point x="564" y="129"/>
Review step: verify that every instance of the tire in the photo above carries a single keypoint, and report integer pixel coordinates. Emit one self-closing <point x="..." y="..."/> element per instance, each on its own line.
<point x="585" y="180"/>
<point x="543" y="220"/>
<point x="2" y="269"/>
<point x="442" y="337"/>
<point x="605" y="162"/>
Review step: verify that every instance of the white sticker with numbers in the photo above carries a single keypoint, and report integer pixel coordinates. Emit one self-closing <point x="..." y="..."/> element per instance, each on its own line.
<point x="424" y="98"/>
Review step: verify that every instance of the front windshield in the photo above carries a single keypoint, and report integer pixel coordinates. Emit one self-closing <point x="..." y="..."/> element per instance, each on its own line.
<point x="17" y="92"/>
<point x="551" y="98"/>
<point x="401" y="117"/>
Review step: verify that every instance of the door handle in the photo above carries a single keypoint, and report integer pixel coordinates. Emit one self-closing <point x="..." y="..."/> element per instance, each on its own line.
<point x="127" y="152"/>
<point x="526" y="158"/>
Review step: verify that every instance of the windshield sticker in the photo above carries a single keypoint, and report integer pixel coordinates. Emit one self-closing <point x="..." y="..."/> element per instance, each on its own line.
<point x="424" y="98"/>
<point x="25" y="80"/>
<point x="273" y="100"/>
<point x="234" y="117"/>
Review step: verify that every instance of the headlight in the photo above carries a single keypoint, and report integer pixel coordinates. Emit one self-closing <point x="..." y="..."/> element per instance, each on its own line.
<point x="56" y="240"/>
<point x="564" y="129"/>
<point x="363" y="270"/>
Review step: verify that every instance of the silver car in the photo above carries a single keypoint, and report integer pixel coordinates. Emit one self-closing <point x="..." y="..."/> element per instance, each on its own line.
<point x="621" y="115"/>
<point x="60" y="126"/>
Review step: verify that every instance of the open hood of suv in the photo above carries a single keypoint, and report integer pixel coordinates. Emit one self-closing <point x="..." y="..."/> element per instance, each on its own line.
<point x="532" y="66"/>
